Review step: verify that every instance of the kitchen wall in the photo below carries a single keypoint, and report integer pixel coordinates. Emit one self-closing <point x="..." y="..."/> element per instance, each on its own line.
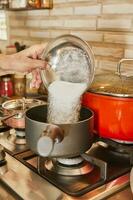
<point x="107" y="25"/>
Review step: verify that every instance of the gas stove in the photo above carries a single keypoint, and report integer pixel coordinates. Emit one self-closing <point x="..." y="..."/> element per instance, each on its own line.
<point x="101" y="172"/>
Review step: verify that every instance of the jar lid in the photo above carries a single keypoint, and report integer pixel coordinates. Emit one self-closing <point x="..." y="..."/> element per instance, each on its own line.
<point x="69" y="59"/>
<point x="113" y="84"/>
<point x="19" y="75"/>
<point x="6" y="77"/>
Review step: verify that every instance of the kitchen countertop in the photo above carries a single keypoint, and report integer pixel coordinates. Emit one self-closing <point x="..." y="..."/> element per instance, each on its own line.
<point x="6" y="193"/>
<point x="124" y="194"/>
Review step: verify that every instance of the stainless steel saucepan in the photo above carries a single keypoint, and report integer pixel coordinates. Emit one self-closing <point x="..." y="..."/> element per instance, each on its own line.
<point x="58" y="140"/>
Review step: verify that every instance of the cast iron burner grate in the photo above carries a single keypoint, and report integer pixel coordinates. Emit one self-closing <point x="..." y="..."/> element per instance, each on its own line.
<point x="106" y="167"/>
<point x="120" y="149"/>
<point x="76" y="185"/>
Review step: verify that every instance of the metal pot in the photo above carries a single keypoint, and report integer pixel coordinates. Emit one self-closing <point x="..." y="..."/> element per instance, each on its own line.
<point x="70" y="59"/>
<point x="58" y="140"/>
<point x="14" y="111"/>
<point x="111" y="98"/>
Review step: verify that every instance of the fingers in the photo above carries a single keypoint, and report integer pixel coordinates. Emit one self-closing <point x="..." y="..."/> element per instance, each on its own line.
<point x="34" y="51"/>
<point x="35" y="55"/>
<point x="36" y="64"/>
<point x="36" y="81"/>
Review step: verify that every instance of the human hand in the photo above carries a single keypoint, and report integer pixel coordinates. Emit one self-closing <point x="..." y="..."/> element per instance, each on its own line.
<point x="25" y="61"/>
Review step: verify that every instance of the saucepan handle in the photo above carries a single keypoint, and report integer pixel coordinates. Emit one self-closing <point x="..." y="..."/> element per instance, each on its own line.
<point x="45" y="145"/>
<point x="120" y="63"/>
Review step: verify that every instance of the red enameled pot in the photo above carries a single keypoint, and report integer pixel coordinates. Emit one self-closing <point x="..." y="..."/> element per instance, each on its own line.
<point x="111" y="98"/>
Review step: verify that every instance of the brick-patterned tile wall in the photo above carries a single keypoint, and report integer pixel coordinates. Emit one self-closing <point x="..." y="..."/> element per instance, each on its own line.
<point x="107" y="25"/>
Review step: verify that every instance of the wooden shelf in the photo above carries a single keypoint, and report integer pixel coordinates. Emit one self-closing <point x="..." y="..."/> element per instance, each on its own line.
<point x="48" y="4"/>
<point x="24" y="9"/>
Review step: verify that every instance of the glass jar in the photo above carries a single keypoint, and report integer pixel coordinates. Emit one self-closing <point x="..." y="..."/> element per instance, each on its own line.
<point x="16" y="4"/>
<point x="46" y="4"/>
<point x="34" y="3"/>
<point x="6" y="87"/>
<point x="19" y="85"/>
<point x="30" y="90"/>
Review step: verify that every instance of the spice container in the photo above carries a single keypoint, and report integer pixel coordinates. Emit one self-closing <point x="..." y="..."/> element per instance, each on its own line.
<point x="4" y="4"/>
<point x="30" y="90"/>
<point x="19" y="85"/>
<point x="46" y="4"/>
<point x="34" y="3"/>
<point x="6" y="87"/>
<point x="16" y="4"/>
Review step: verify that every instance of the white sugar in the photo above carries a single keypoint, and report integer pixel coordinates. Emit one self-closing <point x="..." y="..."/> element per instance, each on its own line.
<point x="64" y="101"/>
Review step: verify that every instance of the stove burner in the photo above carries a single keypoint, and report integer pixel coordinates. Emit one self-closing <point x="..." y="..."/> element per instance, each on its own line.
<point x="12" y="143"/>
<point x="20" y="140"/>
<point x="20" y="132"/>
<point x="17" y="137"/>
<point x="70" y="161"/>
<point x="20" y="136"/>
<point x="69" y="166"/>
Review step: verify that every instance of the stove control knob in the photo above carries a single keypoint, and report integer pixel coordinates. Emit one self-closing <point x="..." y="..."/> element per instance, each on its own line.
<point x="51" y="136"/>
<point x="3" y="162"/>
<point x="2" y="153"/>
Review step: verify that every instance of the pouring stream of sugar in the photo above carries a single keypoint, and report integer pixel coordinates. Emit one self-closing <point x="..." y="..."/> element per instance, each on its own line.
<point x="64" y="101"/>
<point x="66" y="77"/>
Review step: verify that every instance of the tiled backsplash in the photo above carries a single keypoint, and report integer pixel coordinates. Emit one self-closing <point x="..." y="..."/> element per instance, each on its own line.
<point x="3" y="27"/>
<point x="107" y="25"/>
